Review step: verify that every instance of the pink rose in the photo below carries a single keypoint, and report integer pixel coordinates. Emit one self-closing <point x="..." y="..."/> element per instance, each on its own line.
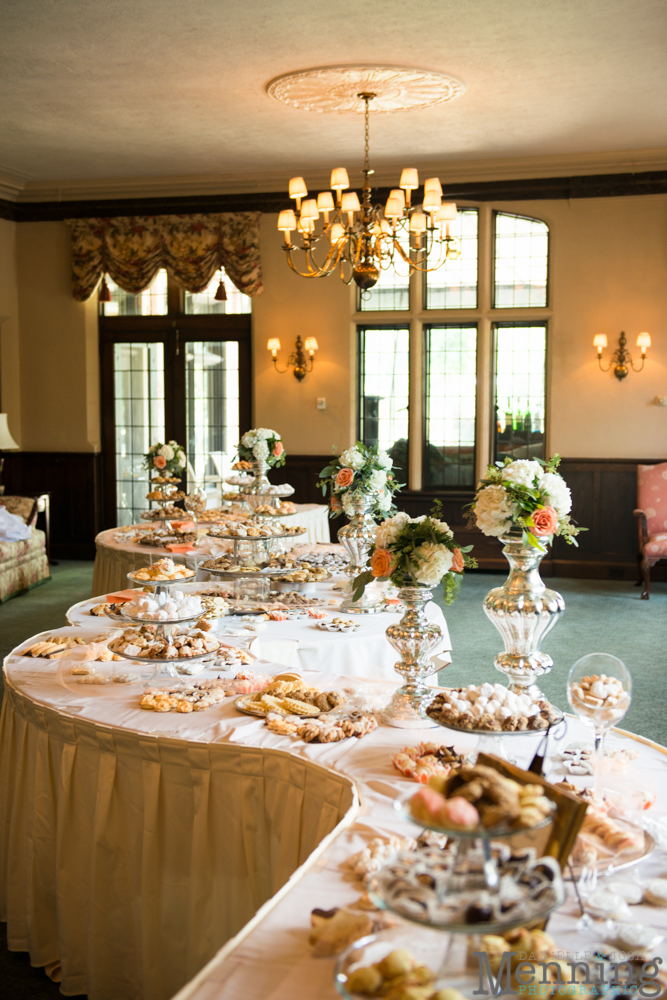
<point x="159" y="461"/>
<point x="344" y="477"/>
<point x="381" y="563"/>
<point x="457" y="562"/>
<point x="545" y="521"/>
<point x="278" y="449"/>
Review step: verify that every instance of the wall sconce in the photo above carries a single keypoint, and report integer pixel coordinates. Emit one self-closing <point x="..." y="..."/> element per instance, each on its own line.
<point x="296" y="360"/>
<point x="621" y="359"/>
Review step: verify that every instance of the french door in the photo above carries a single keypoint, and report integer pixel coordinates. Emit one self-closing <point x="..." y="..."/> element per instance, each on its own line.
<point x="180" y="377"/>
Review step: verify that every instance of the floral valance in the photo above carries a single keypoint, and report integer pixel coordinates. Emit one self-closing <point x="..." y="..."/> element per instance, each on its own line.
<point x="132" y="250"/>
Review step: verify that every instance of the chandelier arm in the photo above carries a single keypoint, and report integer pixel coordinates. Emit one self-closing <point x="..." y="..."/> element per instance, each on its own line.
<point x="602" y="368"/>
<point x="632" y="364"/>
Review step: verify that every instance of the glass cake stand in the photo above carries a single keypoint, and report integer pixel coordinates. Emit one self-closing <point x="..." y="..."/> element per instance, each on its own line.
<point x="492" y="740"/>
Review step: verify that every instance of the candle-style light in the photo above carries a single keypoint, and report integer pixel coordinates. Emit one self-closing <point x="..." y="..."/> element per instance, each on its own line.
<point x="621" y="359"/>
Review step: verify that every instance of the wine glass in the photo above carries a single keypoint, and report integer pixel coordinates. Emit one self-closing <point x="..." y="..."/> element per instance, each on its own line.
<point x="599" y="690"/>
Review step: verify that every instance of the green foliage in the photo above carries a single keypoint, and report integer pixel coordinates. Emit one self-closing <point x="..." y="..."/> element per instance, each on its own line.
<point x="362" y="482"/>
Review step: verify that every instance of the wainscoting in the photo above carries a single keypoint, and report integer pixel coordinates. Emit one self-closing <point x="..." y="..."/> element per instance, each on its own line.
<point x="604" y="495"/>
<point x="73" y="480"/>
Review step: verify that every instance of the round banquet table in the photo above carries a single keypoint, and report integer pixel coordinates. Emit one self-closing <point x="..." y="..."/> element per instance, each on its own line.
<point x="136" y="847"/>
<point x="115" y="557"/>
<point x="299" y="644"/>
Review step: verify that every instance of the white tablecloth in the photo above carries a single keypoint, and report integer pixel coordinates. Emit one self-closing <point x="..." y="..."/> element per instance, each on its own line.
<point x="115" y="559"/>
<point x="298" y="644"/>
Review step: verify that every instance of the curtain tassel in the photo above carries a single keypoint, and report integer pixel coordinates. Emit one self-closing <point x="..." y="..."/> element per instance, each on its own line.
<point x="105" y="292"/>
<point x="221" y="292"/>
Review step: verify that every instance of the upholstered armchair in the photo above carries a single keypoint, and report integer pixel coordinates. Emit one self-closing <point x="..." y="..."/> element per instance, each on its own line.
<point x="651" y="517"/>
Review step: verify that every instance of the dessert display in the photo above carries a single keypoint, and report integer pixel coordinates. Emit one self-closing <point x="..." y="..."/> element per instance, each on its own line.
<point x="425" y="886"/>
<point x="290" y="697"/>
<point x="102" y="610"/>
<point x="333" y="561"/>
<point x="163" y="607"/>
<point x="398" y="975"/>
<point x="255" y="529"/>
<point x="56" y="646"/>
<point x="376" y="854"/>
<point x="278" y="509"/>
<point x="302" y="574"/>
<point x="225" y="564"/>
<point x="474" y="798"/>
<point x="284" y="490"/>
<point x="426" y="760"/>
<point x="214" y="605"/>
<point x="333" y="930"/>
<point x="239" y="480"/>
<point x="165" y="479"/>
<point x="339" y="625"/>
<point x="161" y="538"/>
<point x="219" y="514"/>
<point x="162" y="571"/>
<point x="322" y="730"/>
<point x="196" y="696"/>
<point x="294" y="599"/>
<point x="600" y="697"/>
<point x="491" y="708"/>
<point x="169" y="495"/>
<point x="144" y="643"/>
<point x="557" y="969"/>
<point x="166" y="513"/>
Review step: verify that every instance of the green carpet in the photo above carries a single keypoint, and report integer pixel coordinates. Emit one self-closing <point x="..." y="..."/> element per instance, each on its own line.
<point x="605" y="616"/>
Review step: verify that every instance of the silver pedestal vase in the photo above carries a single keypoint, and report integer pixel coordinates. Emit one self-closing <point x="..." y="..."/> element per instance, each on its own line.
<point x="259" y="470"/>
<point x="357" y="538"/>
<point x="524" y="611"/>
<point x="415" y="638"/>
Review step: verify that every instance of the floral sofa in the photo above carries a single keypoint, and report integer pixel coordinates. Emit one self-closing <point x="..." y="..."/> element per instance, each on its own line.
<point x="23" y="565"/>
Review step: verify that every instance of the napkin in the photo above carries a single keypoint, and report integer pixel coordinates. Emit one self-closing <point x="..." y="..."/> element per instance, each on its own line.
<point x="179" y="548"/>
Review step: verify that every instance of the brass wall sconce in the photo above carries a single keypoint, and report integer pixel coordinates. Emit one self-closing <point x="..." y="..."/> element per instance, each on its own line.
<point x="621" y="359"/>
<point x="298" y="359"/>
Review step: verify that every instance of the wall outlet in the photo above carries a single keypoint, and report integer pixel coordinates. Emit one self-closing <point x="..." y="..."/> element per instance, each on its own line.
<point x="322" y="403"/>
<point x="660" y="400"/>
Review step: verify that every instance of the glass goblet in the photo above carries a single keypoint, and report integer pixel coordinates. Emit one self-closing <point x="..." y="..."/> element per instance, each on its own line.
<point x="195" y="503"/>
<point x="599" y="690"/>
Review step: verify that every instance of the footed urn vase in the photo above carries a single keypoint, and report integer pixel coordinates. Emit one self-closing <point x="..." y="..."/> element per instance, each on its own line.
<point x="260" y="483"/>
<point x="416" y="639"/>
<point x="357" y="537"/>
<point x="524" y="611"/>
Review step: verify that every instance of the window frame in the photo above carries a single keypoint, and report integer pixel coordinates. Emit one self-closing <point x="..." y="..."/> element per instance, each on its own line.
<point x="424" y="290"/>
<point x="360" y="328"/>
<point x="173" y="330"/>
<point x="512" y="324"/>
<point x="529" y="218"/>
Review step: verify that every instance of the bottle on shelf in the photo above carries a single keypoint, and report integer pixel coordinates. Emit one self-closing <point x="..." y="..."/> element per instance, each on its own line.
<point x="508" y="417"/>
<point x="538" y="420"/>
<point x="527" y="418"/>
<point x="518" y="417"/>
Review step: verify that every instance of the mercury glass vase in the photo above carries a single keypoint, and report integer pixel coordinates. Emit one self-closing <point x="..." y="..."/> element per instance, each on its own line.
<point x="415" y="638"/>
<point x="524" y="611"/>
<point x="357" y="538"/>
<point x="259" y="470"/>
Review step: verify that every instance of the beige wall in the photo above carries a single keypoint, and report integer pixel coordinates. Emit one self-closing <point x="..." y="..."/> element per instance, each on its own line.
<point x="608" y="273"/>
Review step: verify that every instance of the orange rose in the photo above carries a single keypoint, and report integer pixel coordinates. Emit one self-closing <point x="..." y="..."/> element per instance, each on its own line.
<point x="545" y="521"/>
<point x="457" y="561"/>
<point x="344" y="477"/>
<point x="278" y="449"/>
<point x="336" y="505"/>
<point x="381" y="563"/>
<point x="159" y="461"/>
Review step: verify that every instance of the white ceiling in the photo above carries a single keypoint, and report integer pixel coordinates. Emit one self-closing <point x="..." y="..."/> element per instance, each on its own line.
<point x="93" y="89"/>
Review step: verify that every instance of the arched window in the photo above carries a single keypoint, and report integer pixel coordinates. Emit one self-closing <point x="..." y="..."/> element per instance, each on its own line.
<point x="521" y="262"/>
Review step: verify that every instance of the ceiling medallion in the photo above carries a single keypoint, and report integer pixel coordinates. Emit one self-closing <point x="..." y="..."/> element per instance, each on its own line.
<point x="338" y="89"/>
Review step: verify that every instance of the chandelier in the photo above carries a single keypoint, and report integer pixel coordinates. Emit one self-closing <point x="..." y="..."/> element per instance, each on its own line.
<point x="338" y="231"/>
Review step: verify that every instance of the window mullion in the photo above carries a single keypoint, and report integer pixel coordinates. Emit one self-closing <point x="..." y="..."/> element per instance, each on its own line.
<point x="416" y="408"/>
<point x="485" y="395"/>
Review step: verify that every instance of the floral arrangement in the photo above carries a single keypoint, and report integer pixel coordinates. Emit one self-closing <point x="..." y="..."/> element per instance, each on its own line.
<point x="361" y="469"/>
<point x="168" y="458"/>
<point x="262" y="445"/>
<point x="528" y="494"/>
<point x="417" y="549"/>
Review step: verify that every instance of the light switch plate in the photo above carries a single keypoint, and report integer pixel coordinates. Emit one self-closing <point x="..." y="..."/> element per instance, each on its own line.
<point x="321" y="403"/>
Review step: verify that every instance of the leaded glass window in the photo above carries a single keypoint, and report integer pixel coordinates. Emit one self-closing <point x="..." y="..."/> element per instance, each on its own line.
<point x="521" y="261"/>
<point x="450" y="405"/>
<point x="151" y="302"/>
<point x="212" y="408"/>
<point x="520" y="402"/>
<point x="454" y="285"/>
<point x="384" y="354"/>
<point x="206" y="303"/>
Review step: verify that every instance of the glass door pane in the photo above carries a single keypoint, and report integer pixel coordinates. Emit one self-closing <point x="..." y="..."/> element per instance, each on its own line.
<point x="212" y="409"/>
<point x="520" y="401"/>
<point x="450" y="405"/>
<point x="384" y="375"/>
<point x="139" y="422"/>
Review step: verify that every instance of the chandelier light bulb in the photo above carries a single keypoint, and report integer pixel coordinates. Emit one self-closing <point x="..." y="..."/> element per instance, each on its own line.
<point x="339" y="179"/>
<point x="409" y="179"/>
<point x="432" y="184"/>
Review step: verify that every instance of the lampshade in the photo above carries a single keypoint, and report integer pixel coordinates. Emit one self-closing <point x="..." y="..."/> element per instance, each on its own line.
<point x="350" y="202"/>
<point x="286" y="221"/>
<point x="337" y="232"/>
<point x="7" y="442"/>
<point x="393" y="209"/>
<point x="433" y="184"/>
<point x="447" y="212"/>
<point x="297" y="188"/>
<point x="385" y="227"/>
<point x="399" y="194"/>
<point x="309" y="209"/>
<point x="644" y="340"/>
<point x="418" y="223"/>
<point x="273" y="344"/>
<point x="325" y="201"/>
<point x="339" y="179"/>
<point x="431" y="201"/>
<point x="409" y="179"/>
<point x="311" y="344"/>
<point x="600" y="340"/>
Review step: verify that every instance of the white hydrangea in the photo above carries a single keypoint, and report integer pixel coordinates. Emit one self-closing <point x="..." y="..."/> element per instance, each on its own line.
<point x="383" y="460"/>
<point x="557" y="492"/>
<point x="180" y="459"/>
<point x="248" y="439"/>
<point x="352" y="458"/>
<point x="435" y="562"/>
<point x="442" y="526"/>
<point x="260" y="450"/>
<point x="386" y="532"/>
<point x="347" y="500"/>
<point x="377" y="481"/>
<point x="522" y="472"/>
<point x="167" y="452"/>
<point x="494" y="510"/>
<point x="265" y="434"/>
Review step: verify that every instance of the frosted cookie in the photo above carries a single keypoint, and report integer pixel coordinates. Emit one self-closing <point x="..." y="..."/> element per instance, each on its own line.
<point x="655" y="891"/>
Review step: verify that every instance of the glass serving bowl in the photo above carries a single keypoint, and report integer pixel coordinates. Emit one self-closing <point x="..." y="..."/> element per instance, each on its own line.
<point x="402" y="806"/>
<point x="599" y="690"/>
<point x="428" y="947"/>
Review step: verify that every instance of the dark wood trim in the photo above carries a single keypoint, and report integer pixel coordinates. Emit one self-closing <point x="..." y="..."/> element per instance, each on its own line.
<point x="528" y="189"/>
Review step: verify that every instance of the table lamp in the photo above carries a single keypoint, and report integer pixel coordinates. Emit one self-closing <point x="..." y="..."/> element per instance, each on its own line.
<point x="7" y="443"/>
